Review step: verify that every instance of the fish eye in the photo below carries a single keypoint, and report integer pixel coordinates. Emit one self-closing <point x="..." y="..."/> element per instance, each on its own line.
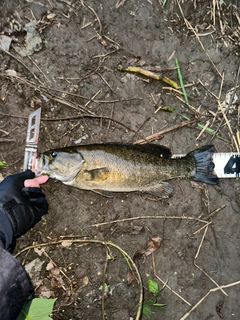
<point x="54" y="154"/>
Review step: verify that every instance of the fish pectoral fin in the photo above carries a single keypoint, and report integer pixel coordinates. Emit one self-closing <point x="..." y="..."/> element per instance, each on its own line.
<point x="98" y="174"/>
<point x="160" y="190"/>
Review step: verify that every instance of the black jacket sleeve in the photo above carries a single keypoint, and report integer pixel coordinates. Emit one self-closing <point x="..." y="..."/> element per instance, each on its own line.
<point x="15" y="286"/>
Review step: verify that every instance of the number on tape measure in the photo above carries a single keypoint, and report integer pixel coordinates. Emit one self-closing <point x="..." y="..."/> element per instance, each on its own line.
<point x="233" y="166"/>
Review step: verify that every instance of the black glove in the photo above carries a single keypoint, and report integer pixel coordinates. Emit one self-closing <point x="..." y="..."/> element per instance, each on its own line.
<point x="23" y="207"/>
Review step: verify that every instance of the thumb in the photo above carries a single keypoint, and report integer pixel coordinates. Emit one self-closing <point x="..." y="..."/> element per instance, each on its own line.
<point x="35" y="183"/>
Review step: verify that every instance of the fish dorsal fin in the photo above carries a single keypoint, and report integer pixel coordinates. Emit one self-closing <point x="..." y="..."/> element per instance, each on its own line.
<point x="156" y="149"/>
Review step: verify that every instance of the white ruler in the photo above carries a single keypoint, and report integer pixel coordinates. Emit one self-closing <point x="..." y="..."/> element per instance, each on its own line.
<point x="227" y="164"/>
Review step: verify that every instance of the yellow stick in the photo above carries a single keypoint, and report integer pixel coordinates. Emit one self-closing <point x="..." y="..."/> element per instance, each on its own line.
<point x="148" y="74"/>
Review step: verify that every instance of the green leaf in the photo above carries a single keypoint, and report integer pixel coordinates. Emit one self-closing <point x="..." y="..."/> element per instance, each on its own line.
<point x="153" y="287"/>
<point x="147" y="311"/>
<point x="3" y="164"/>
<point x="164" y="2"/>
<point x="37" y="309"/>
<point x="106" y="287"/>
<point x="201" y="126"/>
<point x="181" y="80"/>
<point x="185" y="117"/>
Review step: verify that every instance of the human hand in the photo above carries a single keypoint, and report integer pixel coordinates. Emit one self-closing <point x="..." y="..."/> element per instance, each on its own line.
<point x="22" y="201"/>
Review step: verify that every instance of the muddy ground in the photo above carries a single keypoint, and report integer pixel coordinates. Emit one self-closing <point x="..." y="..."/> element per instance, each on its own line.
<point x="72" y="75"/>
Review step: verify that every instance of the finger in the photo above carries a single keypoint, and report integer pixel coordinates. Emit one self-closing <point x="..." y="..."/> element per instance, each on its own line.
<point x="35" y="183"/>
<point x="42" y="179"/>
<point x="31" y="183"/>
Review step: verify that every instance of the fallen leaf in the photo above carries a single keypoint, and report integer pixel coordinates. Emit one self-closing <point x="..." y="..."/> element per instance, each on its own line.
<point x="39" y="251"/>
<point x="51" y="15"/>
<point x="130" y="277"/>
<point x="33" y="41"/>
<point x="45" y="292"/>
<point x="152" y="246"/>
<point x="66" y="243"/>
<point x="11" y="72"/>
<point x="5" y="42"/>
<point x="49" y="266"/>
<point x="34" y="268"/>
<point x="38" y="309"/>
<point x="83" y="282"/>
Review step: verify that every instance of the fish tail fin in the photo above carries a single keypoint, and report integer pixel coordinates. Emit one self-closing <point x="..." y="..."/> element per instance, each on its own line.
<point x="204" y="166"/>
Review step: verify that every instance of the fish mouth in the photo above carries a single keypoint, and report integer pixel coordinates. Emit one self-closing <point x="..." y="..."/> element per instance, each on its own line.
<point x="37" y="170"/>
<point x="40" y="168"/>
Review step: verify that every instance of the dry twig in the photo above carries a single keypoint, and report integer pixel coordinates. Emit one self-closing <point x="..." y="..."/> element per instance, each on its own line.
<point x="120" y="3"/>
<point x="157" y="135"/>
<point x="149" y="217"/>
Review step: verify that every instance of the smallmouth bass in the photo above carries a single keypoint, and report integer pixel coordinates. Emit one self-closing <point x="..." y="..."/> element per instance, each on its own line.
<point x="119" y="167"/>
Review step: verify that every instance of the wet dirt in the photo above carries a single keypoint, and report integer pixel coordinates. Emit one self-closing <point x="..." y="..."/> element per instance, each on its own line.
<point x="73" y="77"/>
